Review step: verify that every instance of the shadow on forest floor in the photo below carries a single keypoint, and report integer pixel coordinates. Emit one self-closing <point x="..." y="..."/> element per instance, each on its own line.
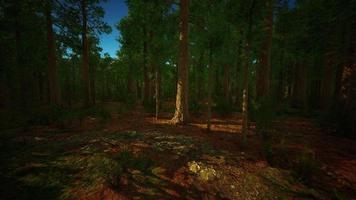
<point x="134" y="156"/>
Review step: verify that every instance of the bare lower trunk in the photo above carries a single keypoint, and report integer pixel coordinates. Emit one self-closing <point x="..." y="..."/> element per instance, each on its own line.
<point x="181" y="114"/>
<point x="54" y="91"/>
<point x="263" y="72"/>
<point x="85" y="57"/>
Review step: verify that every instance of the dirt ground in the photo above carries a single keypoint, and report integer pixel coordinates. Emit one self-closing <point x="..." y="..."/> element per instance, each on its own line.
<point x="134" y="156"/>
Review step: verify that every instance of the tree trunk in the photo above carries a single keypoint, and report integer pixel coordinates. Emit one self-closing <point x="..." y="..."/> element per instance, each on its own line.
<point x="157" y="89"/>
<point x="210" y="87"/>
<point x="54" y="91"/>
<point x="300" y="86"/>
<point x="263" y="72"/>
<point x="146" y="84"/>
<point x="92" y="85"/>
<point x="181" y="114"/>
<point x="85" y="57"/>
<point x="226" y="83"/>
<point x="327" y="83"/>
<point x="245" y="94"/>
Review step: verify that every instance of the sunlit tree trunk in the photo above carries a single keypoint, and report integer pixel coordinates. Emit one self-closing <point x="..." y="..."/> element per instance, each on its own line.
<point x="54" y="91"/>
<point x="263" y="71"/>
<point x="85" y="56"/>
<point x="181" y="114"/>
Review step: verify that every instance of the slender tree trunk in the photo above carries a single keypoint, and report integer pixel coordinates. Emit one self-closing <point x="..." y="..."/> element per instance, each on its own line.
<point x="85" y="56"/>
<point x="245" y="94"/>
<point x="181" y="114"/>
<point x="52" y="64"/>
<point x="263" y="72"/>
<point x="226" y="82"/>
<point x="300" y="86"/>
<point x="21" y="91"/>
<point x="92" y="85"/>
<point x="238" y="70"/>
<point x="327" y="82"/>
<point x="146" y="84"/>
<point x="199" y="77"/>
<point x="158" y="89"/>
<point x="210" y="87"/>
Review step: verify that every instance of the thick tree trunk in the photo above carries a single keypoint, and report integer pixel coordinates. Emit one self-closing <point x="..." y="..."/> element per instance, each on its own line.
<point x="263" y="72"/>
<point x="85" y="56"/>
<point x="54" y="92"/>
<point x="181" y="114"/>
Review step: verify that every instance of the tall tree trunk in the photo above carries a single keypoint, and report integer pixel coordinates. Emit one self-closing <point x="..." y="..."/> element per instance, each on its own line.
<point x="300" y="86"/>
<point x="158" y="89"/>
<point x="92" y="85"/>
<point x="226" y="83"/>
<point x="181" y="114"/>
<point x="210" y="87"/>
<point x="54" y="91"/>
<point x="263" y="72"/>
<point x="21" y="91"/>
<point x="85" y="56"/>
<point x="327" y="83"/>
<point x="245" y="94"/>
<point x="146" y="84"/>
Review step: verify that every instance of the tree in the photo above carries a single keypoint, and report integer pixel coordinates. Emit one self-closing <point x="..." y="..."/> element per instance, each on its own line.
<point x="181" y="114"/>
<point x="263" y="72"/>
<point x="54" y="90"/>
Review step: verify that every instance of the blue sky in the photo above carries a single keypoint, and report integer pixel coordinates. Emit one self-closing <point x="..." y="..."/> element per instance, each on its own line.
<point x="114" y="11"/>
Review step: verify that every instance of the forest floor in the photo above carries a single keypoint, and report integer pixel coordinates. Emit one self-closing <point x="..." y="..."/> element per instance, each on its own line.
<point x="134" y="156"/>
